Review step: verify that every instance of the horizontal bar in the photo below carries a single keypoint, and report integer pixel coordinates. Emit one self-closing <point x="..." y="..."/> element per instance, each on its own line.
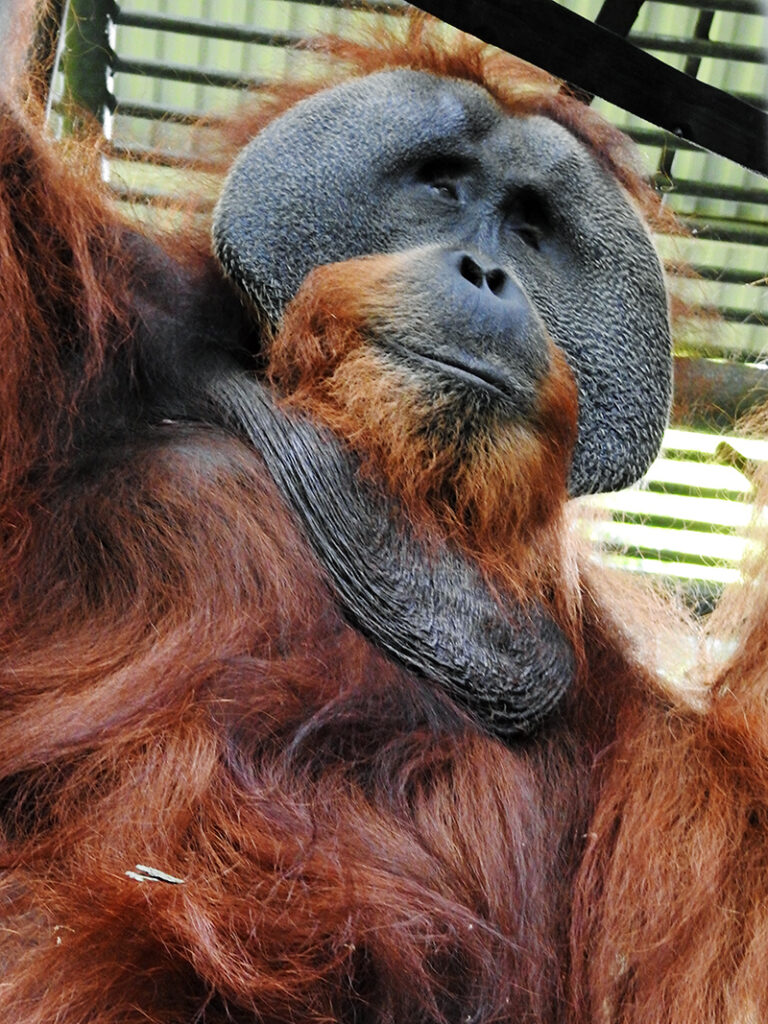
<point x="245" y="34"/>
<point x="160" y="158"/>
<point x="664" y="554"/>
<point x="374" y="6"/>
<point x="699" y="48"/>
<point x="684" y="455"/>
<point x="150" y="196"/>
<point x="727" y="275"/>
<point x="749" y="233"/>
<point x="687" y="490"/>
<point x="206" y="29"/>
<point x="671" y="522"/>
<point x="602" y="64"/>
<point x="736" y="356"/>
<point x="157" y="112"/>
<point x="747" y="317"/>
<point x="707" y="190"/>
<point x="661" y="138"/>
<point x="728" y="6"/>
<point x="184" y="73"/>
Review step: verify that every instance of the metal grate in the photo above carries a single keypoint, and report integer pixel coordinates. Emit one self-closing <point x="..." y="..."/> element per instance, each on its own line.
<point x="169" y="61"/>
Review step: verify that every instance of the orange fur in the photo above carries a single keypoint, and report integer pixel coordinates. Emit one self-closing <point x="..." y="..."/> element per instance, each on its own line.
<point x="497" y="492"/>
<point x="421" y="43"/>
<point x="179" y="690"/>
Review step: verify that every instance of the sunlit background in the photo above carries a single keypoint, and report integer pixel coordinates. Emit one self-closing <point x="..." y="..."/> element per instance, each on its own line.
<point x="174" y="60"/>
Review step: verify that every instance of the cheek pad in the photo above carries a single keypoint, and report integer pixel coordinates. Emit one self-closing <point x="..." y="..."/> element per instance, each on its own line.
<point x="299" y="196"/>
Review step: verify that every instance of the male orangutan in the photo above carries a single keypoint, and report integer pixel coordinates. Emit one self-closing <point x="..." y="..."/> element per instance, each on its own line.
<point x="311" y="708"/>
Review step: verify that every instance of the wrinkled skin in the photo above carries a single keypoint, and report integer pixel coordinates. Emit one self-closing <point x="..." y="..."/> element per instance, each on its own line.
<point x="511" y="233"/>
<point x="251" y="702"/>
<point x="417" y="160"/>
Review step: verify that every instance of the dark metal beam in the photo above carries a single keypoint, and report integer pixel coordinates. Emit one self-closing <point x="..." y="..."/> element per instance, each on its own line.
<point x="600" y="62"/>
<point x="618" y="15"/>
<point x="45" y="46"/>
<point x="86" y="59"/>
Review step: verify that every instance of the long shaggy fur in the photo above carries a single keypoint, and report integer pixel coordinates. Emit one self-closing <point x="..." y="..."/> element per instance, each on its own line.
<point x="179" y="694"/>
<point x="497" y="490"/>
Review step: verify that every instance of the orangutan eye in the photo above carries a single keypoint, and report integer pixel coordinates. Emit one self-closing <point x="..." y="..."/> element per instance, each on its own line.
<point x="526" y="214"/>
<point x="446" y="189"/>
<point x="442" y="175"/>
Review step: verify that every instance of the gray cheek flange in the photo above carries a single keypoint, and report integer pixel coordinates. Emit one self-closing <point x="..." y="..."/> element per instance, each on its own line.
<point x="296" y="198"/>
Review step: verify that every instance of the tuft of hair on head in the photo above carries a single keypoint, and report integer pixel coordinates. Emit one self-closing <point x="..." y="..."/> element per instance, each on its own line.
<point x="492" y="484"/>
<point x="420" y="42"/>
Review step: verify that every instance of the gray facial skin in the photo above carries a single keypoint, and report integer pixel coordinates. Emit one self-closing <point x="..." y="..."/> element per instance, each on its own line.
<point x="404" y="159"/>
<point x="509" y="667"/>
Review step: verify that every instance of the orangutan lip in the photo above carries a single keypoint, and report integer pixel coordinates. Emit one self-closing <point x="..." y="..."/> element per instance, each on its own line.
<point x="474" y="371"/>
